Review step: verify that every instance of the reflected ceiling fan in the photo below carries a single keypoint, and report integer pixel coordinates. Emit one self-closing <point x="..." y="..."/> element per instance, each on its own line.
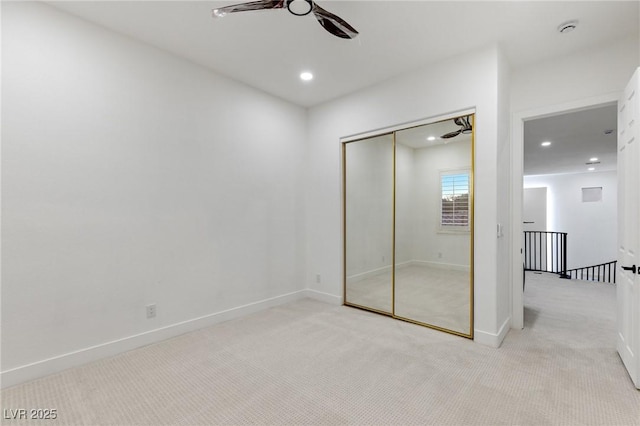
<point x="465" y="127"/>
<point x="330" y="22"/>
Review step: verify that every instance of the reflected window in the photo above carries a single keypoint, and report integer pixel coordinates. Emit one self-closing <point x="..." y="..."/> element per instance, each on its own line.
<point x="454" y="204"/>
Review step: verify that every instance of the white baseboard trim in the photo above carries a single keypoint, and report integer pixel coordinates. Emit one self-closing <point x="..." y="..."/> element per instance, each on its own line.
<point x="323" y="297"/>
<point x="62" y="362"/>
<point x="440" y="265"/>
<point x="372" y="273"/>
<point x="387" y="269"/>
<point x="491" y="339"/>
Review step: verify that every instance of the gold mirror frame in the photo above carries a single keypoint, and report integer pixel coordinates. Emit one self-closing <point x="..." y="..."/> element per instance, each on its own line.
<point x="392" y="314"/>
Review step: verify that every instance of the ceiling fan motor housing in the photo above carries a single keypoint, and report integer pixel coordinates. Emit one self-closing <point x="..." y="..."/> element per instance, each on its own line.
<point x="300" y="7"/>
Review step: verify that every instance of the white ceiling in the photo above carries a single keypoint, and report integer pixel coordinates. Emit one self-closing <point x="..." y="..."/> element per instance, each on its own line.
<point x="416" y="137"/>
<point x="575" y="138"/>
<point x="268" y="49"/>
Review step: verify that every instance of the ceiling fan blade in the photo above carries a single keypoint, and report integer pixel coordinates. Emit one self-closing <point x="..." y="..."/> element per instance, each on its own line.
<point x="451" y="134"/>
<point x="244" y="7"/>
<point x="334" y="24"/>
<point x="459" y="121"/>
<point x="466" y="125"/>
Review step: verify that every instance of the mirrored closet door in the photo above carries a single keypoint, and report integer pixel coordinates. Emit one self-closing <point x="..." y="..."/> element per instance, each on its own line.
<point x="409" y="195"/>
<point x="368" y="211"/>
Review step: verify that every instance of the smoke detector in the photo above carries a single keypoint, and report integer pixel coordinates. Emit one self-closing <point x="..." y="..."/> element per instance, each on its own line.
<point x="567" y="27"/>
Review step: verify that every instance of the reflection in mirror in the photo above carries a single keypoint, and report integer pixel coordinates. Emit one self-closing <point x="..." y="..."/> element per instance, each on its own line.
<point x="368" y="192"/>
<point x="434" y="225"/>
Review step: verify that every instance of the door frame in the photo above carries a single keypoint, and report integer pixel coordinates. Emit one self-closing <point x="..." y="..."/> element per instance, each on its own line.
<point x="517" y="182"/>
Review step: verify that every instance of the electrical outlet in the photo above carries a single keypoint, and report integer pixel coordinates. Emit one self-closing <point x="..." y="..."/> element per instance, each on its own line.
<point x="151" y="310"/>
<point x="439" y="255"/>
<point x="318" y="278"/>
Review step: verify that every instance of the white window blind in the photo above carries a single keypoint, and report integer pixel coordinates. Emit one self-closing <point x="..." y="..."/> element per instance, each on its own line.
<point x="454" y="204"/>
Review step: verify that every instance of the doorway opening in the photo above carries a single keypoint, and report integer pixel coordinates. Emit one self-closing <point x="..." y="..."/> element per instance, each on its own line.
<point x="570" y="220"/>
<point x="520" y="120"/>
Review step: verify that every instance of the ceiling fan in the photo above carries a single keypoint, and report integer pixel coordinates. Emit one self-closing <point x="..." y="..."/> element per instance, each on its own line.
<point x="330" y="22"/>
<point x="465" y="127"/>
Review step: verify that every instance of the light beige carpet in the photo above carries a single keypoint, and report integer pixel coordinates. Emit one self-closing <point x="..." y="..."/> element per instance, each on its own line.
<point x="423" y="293"/>
<point x="312" y="363"/>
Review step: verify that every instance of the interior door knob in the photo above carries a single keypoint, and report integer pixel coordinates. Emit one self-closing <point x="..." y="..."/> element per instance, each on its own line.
<point x="630" y="268"/>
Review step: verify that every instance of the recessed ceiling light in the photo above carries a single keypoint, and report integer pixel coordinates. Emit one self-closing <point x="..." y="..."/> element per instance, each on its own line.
<point x="567" y="27"/>
<point x="591" y="169"/>
<point x="546" y="143"/>
<point x="592" y="159"/>
<point x="306" y="76"/>
<point x="431" y="138"/>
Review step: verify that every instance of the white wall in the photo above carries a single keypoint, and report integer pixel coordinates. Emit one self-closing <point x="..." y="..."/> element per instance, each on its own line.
<point x="369" y="212"/>
<point x="369" y="177"/>
<point x="591" y="227"/>
<point x="429" y="243"/>
<point x="580" y="76"/>
<point x="131" y="177"/>
<point x="504" y="180"/>
<point x="454" y="85"/>
<point x="406" y="199"/>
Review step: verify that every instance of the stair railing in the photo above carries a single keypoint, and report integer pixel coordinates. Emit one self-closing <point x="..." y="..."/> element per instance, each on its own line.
<point x="546" y="251"/>
<point x="605" y="272"/>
